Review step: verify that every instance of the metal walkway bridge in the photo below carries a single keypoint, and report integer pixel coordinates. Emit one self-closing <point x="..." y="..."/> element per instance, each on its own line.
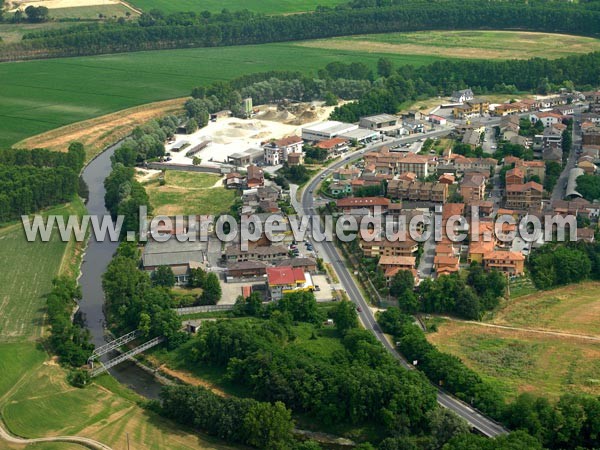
<point x="125" y="356"/>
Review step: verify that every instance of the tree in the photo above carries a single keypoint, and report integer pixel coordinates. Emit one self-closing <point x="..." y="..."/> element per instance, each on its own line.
<point x="344" y="316"/>
<point x="36" y="14"/>
<point x="268" y="426"/>
<point x="444" y="425"/>
<point x="330" y="99"/>
<point x="402" y="281"/>
<point x="196" y="161"/>
<point x="384" y="67"/>
<point x="196" y="278"/>
<point x="211" y="292"/>
<point x="163" y="276"/>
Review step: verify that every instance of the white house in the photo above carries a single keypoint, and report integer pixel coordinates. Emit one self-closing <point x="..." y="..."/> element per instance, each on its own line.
<point x="462" y="96"/>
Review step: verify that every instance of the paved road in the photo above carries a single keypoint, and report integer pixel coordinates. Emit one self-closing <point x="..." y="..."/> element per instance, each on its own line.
<point x="483" y="424"/>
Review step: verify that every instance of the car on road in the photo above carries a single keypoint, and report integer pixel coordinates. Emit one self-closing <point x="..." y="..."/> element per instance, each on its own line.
<point x="359" y="309"/>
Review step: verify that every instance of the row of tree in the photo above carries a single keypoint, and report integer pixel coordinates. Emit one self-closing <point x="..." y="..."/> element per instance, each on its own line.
<point x="408" y="83"/>
<point x="239" y="420"/>
<point x="453" y="294"/>
<point x="69" y="340"/>
<point x="124" y="196"/>
<point x="132" y="302"/>
<point x="32" y="180"/>
<point x="154" y="30"/>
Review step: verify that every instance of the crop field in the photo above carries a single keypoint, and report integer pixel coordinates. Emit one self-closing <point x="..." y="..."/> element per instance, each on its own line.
<point x="465" y="44"/>
<point x="561" y="355"/>
<point x="189" y="193"/>
<point x="26" y="272"/>
<point x="259" y="6"/>
<point x="37" y="96"/>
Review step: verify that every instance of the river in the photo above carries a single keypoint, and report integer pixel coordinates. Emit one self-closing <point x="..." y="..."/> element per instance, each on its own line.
<point x="96" y="260"/>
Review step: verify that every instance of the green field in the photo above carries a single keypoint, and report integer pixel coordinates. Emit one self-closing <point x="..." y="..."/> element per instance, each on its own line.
<point x="522" y="361"/>
<point x="260" y="6"/>
<point x="26" y="271"/>
<point x="465" y="44"/>
<point x="37" y="96"/>
<point x="92" y="12"/>
<point x="189" y="193"/>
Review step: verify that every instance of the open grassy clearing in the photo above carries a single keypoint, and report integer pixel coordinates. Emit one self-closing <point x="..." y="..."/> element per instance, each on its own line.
<point x="38" y="96"/>
<point x="571" y="309"/>
<point x="465" y="44"/>
<point x="260" y="6"/>
<point x="189" y="193"/>
<point x="521" y="361"/>
<point x="43" y="404"/>
<point x="92" y="12"/>
<point x="13" y="32"/>
<point x="96" y="134"/>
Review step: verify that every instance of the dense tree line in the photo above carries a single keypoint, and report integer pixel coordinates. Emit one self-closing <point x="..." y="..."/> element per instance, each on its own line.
<point x="245" y="421"/>
<point x="70" y="341"/>
<point x="452" y="294"/>
<point x="132" y="302"/>
<point x="34" y="179"/>
<point x="124" y="196"/>
<point x="146" y="142"/>
<point x="556" y="264"/>
<point x="442" y="369"/>
<point x="154" y="30"/>
<point x="361" y="384"/>
<point x="408" y="83"/>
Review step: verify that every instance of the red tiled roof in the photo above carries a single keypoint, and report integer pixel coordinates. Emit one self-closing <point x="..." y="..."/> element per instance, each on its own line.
<point x="362" y="202"/>
<point x="330" y="143"/>
<point x="287" y="275"/>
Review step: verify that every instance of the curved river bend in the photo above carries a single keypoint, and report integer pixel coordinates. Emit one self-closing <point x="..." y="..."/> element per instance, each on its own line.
<point x="95" y="261"/>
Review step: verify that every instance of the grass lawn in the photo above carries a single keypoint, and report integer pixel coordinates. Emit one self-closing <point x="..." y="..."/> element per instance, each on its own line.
<point x="260" y="6"/>
<point x="38" y="96"/>
<point x="523" y="362"/>
<point x="466" y="44"/>
<point x="189" y="193"/>
<point x="571" y="309"/>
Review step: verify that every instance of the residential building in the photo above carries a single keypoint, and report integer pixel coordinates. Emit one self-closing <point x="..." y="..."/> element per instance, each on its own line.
<point x="351" y="205"/>
<point x="471" y="108"/>
<point x="403" y="246"/>
<point x="246" y="269"/>
<point x="255" y="177"/>
<point x="547" y="118"/>
<point x="506" y="109"/>
<point x="438" y="120"/>
<point x="286" y="279"/>
<point x="462" y="96"/>
<point x="277" y="151"/>
<point x="262" y="253"/>
<point x="514" y="176"/>
<point x="472" y="186"/>
<point x="508" y="262"/>
<point x="444" y="265"/>
<point x="334" y="146"/>
<point x="401" y="262"/>
<point x="524" y="196"/>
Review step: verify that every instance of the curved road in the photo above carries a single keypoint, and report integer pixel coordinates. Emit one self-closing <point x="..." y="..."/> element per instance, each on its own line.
<point x="85" y="442"/>
<point x="477" y="420"/>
